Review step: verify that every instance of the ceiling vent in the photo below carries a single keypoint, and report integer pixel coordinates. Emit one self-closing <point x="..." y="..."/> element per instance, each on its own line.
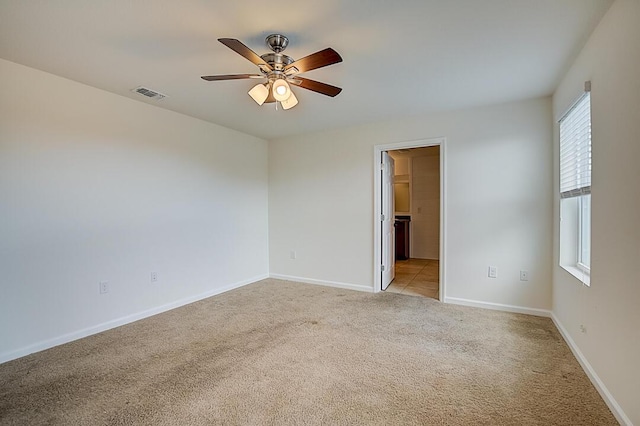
<point x="151" y="94"/>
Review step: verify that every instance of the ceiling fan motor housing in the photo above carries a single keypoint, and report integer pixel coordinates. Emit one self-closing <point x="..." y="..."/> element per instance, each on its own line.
<point x="277" y="60"/>
<point x="277" y="42"/>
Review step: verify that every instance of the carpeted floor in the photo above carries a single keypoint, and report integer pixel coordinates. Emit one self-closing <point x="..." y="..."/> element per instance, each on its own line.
<point x="279" y="353"/>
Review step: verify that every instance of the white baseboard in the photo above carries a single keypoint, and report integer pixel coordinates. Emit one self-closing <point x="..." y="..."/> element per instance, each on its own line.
<point x="588" y="369"/>
<point x="75" y="335"/>
<point x="347" y="286"/>
<point x="599" y="385"/>
<point x="597" y="382"/>
<point x="499" y="307"/>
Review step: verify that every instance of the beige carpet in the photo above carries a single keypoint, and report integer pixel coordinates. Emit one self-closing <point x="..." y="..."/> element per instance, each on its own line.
<point x="282" y="353"/>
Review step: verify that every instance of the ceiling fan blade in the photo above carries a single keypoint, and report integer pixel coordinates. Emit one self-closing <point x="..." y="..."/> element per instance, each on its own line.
<point x="316" y="86"/>
<point x="230" y="77"/>
<point x="238" y="47"/>
<point x="314" y="61"/>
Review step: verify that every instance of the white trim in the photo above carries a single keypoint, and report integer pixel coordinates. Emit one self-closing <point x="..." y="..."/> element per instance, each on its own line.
<point x="347" y="286"/>
<point x="579" y="274"/>
<point x="79" y="334"/>
<point x="443" y="216"/>
<point x="597" y="382"/>
<point x="499" y="307"/>
<point x="377" y="238"/>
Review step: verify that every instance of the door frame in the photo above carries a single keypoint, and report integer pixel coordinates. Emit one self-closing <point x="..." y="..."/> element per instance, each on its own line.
<point x="377" y="204"/>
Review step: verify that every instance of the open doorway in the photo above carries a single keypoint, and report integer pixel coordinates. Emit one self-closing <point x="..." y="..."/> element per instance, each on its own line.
<point x="410" y="198"/>
<point x="417" y="221"/>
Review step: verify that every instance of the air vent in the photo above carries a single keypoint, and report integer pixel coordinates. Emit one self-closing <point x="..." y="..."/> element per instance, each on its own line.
<point x="151" y="94"/>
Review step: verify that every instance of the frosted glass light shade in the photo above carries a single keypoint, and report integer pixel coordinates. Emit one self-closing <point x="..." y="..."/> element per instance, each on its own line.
<point x="289" y="102"/>
<point x="281" y="90"/>
<point x="259" y="93"/>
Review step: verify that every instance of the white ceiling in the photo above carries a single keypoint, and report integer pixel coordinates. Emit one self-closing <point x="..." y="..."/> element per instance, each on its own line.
<point x="403" y="57"/>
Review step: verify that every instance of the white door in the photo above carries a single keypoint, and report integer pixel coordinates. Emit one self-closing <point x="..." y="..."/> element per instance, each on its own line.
<point x="387" y="220"/>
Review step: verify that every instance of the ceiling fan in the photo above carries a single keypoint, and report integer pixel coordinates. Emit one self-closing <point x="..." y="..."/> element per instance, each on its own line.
<point x="280" y="71"/>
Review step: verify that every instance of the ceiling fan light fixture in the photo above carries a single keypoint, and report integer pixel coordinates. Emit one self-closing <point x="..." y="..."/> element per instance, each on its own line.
<point x="290" y="102"/>
<point x="281" y="90"/>
<point x="280" y="71"/>
<point x="259" y="93"/>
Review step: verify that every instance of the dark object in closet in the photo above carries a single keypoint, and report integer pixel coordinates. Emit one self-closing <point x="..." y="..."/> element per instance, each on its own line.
<point x="402" y="237"/>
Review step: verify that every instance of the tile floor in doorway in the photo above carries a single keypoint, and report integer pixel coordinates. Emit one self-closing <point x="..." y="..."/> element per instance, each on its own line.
<point x="416" y="277"/>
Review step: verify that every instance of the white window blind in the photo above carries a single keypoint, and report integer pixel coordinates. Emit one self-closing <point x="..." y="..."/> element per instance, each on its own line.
<point x="575" y="149"/>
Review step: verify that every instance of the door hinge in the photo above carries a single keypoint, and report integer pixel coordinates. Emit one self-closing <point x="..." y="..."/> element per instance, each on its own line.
<point x="382" y="218"/>
<point x="382" y="268"/>
<point x="381" y="166"/>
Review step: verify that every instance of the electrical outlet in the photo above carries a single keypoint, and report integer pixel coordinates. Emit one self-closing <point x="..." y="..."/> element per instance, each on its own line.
<point x="583" y="329"/>
<point x="493" y="272"/>
<point x="154" y="277"/>
<point x="292" y="254"/>
<point x="524" y="275"/>
<point x="104" y="287"/>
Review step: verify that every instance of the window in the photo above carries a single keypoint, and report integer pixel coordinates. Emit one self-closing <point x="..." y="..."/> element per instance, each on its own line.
<point x="575" y="188"/>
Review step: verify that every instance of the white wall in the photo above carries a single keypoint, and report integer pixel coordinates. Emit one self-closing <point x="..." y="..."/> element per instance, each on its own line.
<point x="425" y="206"/>
<point x="499" y="201"/>
<point x="609" y="309"/>
<point x="94" y="186"/>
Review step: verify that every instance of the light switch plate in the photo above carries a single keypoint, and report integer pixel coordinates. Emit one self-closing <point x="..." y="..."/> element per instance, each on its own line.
<point x="493" y="272"/>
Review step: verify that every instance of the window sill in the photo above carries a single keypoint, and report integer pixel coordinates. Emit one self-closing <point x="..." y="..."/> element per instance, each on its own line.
<point x="578" y="273"/>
